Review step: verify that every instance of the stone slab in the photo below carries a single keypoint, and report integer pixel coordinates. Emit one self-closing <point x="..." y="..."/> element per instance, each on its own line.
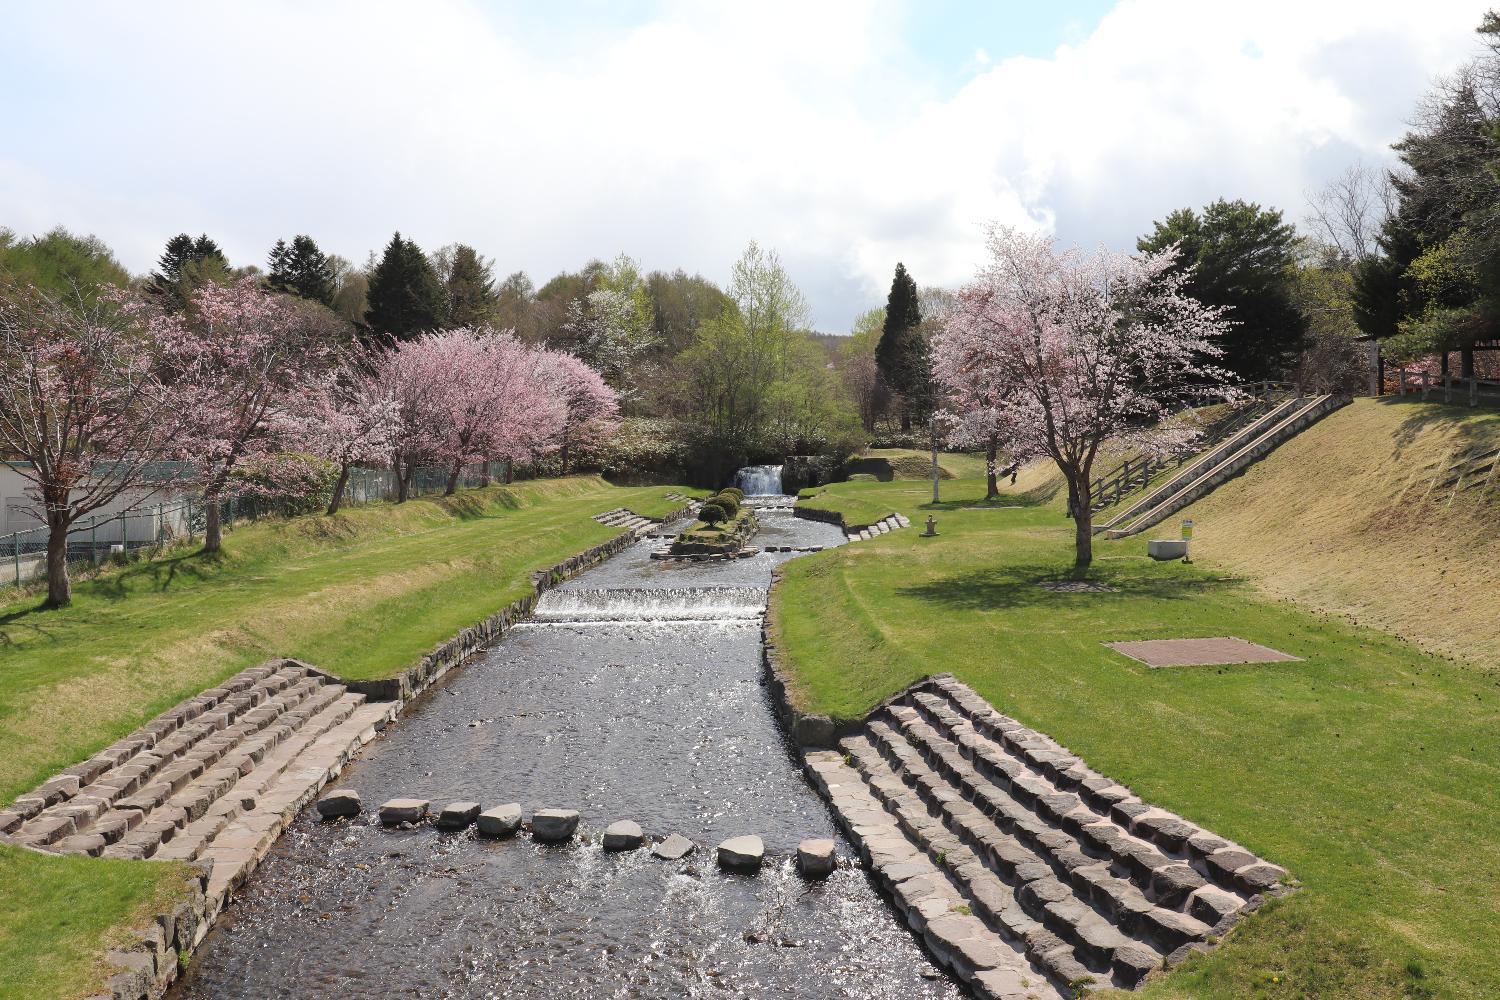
<point x="501" y="821"/>
<point x="674" y="848"/>
<point x="1216" y="651"/>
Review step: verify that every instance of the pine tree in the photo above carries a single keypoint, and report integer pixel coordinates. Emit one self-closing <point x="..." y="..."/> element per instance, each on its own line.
<point x="902" y="354"/>
<point x="302" y="269"/>
<point x="185" y="265"/>
<point x="471" y="289"/>
<point x="406" y="297"/>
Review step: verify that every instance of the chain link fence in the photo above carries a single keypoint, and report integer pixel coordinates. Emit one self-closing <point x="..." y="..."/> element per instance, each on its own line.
<point x="103" y="537"/>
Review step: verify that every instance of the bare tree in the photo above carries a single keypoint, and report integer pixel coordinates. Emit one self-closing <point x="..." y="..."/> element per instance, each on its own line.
<point x="1346" y="213"/>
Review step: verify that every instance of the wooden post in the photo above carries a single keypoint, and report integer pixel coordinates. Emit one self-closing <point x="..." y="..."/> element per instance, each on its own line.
<point x="1424" y="384"/>
<point x="1448" y="387"/>
<point x="1473" y="391"/>
<point x="1403" y="381"/>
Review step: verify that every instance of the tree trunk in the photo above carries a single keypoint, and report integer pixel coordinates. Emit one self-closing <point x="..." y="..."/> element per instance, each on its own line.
<point x="565" y="458"/>
<point x="213" y="532"/>
<point x="484" y="475"/>
<point x="453" y="480"/>
<point x="403" y="483"/>
<point x="1083" y="523"/>
<point x="932" y="436"/>
<point x="510" y="472"/>
<point x="991" y="461"/>
<point x="338" y="489"/>
<point x="905" y="418"/>
<point x="59" y="587"/>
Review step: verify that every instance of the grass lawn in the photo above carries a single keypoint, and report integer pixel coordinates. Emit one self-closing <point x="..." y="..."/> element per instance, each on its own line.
<point x="1371" y="770"/>
<point x="363" y="594"/>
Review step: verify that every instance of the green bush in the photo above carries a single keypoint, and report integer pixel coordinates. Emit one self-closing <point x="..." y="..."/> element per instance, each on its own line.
<point x="731" y="504"/>
<point x="713" y="512"/>
<point x="734" y="491"/>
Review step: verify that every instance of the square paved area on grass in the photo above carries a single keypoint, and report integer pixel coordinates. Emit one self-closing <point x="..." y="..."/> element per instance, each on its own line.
<point x="1198" y="652"/>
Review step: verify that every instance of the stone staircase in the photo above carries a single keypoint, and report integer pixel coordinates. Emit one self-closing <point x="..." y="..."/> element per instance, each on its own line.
<point x="1027" y="874"/>
<point x="881" y="527"/>
<point x="622" y="517"/>
<point x="216" y="777"/>
<point x="1223" y="462"/>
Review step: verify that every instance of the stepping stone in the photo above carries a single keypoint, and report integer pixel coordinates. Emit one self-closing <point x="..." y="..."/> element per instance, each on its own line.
<point x="457" y="815"/>
<point x="501" y="821"/>
<point x="624" y="835"/>
<point x="340" y="802"/>
<point x="674" y="848"/>
<point x="815" y="858"/>
<point x="552" y="826"/>
<point x="403" y="811"/>
<point x="742" y="854"/>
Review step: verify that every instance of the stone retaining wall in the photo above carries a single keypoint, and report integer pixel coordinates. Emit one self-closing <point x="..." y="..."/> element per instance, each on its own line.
<point x="146" y="968"/>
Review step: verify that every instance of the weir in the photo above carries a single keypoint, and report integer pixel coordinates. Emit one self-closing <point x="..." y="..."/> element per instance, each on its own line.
<point x="634" y="694"/>
<point x="759" y="480"/>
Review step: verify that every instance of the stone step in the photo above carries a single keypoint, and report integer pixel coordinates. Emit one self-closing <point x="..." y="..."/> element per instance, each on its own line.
<point x="1221" y="862"/>
<point x="1011" y="789"/>
<point x="238" y="848"/>
<point x="279" y="748"/>
<point x="928" y="897"/>
<point x="1115" y="929"/>
<point x="1012" y="887"/>
<point x="165" y="759"/>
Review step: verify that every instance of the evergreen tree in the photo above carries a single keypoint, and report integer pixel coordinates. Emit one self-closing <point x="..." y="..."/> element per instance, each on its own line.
<point x="471" y="289"/>
<point x="406" y="297"/>
<point x="61" y="263"/>
<point x="185" y="265"/>
<point x="902" y="356"/>
<point x="302" y="269"/>
<point x="1245" y="258"/>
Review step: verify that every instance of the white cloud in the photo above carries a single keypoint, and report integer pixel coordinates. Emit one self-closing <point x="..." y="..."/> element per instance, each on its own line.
<point x="806" y="126"/>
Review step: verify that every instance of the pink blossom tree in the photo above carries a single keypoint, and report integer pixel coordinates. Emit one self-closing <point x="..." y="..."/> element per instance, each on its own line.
<point x="1071" y="351"/>
<point x="467" y="396"/>
<point x="591" y="407"/>
<point x="348" y="418"/>
<point x="253" y="358"/>
<point x="83" y="403"/>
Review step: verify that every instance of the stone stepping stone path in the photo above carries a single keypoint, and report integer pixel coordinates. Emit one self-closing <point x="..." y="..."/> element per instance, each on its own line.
<point x="216" y="778"/>
<point x="1026" y="872"/>
<point x="884" y="526"/>
<point x="622" y="517"/>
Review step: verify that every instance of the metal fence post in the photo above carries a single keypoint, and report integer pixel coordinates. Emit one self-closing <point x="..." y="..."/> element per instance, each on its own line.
<point x="15" y="541"/>
<point x="94" y="538"/>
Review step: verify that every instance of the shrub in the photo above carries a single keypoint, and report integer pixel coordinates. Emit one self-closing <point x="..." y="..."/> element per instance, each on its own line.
<point x="712" y="512"/>
<point x="734" y="491"/>
<point x="286" y="483"/>
<point x="730" y="504"/>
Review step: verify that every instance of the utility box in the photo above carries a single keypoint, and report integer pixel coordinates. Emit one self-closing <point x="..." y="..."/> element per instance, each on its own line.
<point x="1167" y="549"/>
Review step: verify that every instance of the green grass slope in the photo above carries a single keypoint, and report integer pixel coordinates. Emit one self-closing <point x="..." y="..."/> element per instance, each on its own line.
<point x="1387" y="512"/>
<point x="1368" y="769"/>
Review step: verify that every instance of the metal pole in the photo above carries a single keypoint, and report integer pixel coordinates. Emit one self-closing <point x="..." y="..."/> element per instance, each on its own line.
<point x="94" y="538"/>
<point x="15" y="542"/>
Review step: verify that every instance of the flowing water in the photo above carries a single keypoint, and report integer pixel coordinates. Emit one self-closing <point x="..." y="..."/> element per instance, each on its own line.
<point x="634" y="694"/>
<point x="759" y="480"/>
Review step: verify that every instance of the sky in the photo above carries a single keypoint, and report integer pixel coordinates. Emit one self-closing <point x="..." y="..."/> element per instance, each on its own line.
<point x="847" y="136"/>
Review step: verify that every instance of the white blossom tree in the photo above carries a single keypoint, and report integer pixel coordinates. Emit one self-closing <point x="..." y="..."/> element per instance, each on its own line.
<point x="1069" y="351"/>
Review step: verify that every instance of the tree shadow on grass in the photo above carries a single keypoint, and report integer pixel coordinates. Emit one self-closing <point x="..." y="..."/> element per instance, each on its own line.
<point x="1021" y="587"/>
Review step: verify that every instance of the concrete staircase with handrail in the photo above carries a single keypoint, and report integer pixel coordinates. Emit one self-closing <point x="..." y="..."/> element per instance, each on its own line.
<point x="1202" y="478"/>
<point x="1206" y="461"/>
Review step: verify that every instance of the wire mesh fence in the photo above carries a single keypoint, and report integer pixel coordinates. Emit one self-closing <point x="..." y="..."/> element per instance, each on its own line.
<point x="117" y="536"/>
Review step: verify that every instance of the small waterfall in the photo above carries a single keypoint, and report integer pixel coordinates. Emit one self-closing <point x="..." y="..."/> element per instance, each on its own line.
<point x="666" y="604"/>
<point x="759" y="480"/>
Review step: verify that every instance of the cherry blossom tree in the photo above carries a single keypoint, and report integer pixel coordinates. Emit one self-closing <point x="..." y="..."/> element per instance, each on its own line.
<point x="253" y="359"/>
<point x="470" y="395"/>
<point x="591" y="407"/>
<point x="348" y="418"/>
<point x="1072" y="350"/>
<point x="83" y="403"/>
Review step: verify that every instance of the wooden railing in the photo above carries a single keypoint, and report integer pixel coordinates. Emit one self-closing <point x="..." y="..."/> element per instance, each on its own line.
<point x="1472" y="390"/>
